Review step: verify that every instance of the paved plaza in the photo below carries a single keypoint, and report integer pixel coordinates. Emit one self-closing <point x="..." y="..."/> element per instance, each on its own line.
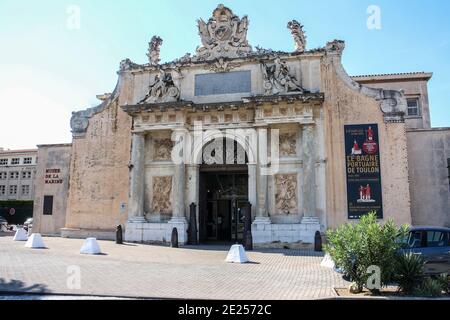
<point x="144" y="271"/>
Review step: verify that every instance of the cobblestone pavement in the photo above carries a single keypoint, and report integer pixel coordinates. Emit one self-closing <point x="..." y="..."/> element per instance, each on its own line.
<point x="133" y="270"/>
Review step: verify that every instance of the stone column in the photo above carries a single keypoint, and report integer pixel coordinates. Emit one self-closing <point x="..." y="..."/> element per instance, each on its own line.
<point x="178" y="195"/>
<point x="262" y="214"/>
<point x="137" y="179"/>
<point x="252" y="191"/>
<point x="309" y="175"/>
<point x="178" y="219"/>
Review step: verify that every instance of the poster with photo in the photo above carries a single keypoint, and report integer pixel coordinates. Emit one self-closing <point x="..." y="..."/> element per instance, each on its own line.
<point x="362" y="152"/>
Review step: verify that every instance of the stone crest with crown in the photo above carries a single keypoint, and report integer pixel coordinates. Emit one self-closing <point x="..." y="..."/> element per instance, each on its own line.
<point x="224" y="35"/>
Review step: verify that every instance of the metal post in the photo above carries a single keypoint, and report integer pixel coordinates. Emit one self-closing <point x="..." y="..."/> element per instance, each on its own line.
<point x="193" y="239"/>
<point x="248" y="238"/>
<point x="119" y="235"/>
<point x="236" y="218"/>
<point x="174" y="238"/>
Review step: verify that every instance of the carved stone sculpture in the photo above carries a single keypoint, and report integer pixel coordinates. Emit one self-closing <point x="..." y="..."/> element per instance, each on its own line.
<point x="224" y="35"/>
<point x="162" y="89"/>
<point x="298" y="34"/>
<point x="336" y="46"/>
<point x="163" y="149"/>
<point x="286" y="193"/>
<point x="162" y="191"/>
<point x="154" y="48"/>
<point x="288" y="144"/>
<point x="278" y="78"/>
<point x="220" y="65"/>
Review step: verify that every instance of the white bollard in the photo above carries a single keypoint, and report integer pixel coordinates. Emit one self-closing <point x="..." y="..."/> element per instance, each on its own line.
<point x="237" y="254"/>
<point x="90" y="246"/>
<point x="35" y="242"/>
<point x="21" y="235"/>
<point x="327" y="262"/>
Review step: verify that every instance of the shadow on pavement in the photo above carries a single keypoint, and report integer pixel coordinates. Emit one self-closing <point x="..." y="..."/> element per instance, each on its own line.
<point x="17" y="286"/>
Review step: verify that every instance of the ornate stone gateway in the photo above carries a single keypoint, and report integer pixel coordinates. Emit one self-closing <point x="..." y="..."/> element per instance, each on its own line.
<point x="279" y="116"/>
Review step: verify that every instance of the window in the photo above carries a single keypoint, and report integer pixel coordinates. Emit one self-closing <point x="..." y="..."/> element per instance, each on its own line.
<point x="436" y="239"/>
<point x="2" y="190"/>
<point x="48" y="205"/>
<point x="12" y="190"/>
<point x="14" y="175"/>
<point x="15" y="161"/>
<point x="27" y="160"/>
<point x="415" y="240"/>
<point x="26" y="174"/>
<point x="413" y="107"/>
<point x="3" y="162"/>
<point x="25" y="190"/>
<point x="3" y="175"/>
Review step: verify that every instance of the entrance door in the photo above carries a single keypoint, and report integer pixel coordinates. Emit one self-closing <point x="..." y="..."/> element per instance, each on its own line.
<point x="222" y="196"/>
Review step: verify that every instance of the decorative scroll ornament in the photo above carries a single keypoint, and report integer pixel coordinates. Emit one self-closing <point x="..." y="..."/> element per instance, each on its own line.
<point x="162" y="89"/>
<point x="278" y="78"/>
<point x="154" y="48"/>
<point x="298" y="34"/>
<point x="224" y="35"/>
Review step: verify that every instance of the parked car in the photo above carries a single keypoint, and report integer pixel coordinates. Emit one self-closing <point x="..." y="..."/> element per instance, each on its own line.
<point x="433" y="244"/>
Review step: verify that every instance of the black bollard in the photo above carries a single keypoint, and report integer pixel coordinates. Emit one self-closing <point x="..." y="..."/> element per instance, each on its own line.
<point x="174" y="239"/>
<point x="119" y="235"/>
<point x="248" y="238"/>
<point x="318" y="242"/>
<point x="192" y="232"/>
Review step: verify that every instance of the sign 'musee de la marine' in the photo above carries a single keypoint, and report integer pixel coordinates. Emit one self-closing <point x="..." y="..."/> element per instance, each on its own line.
<point x="363" y="169"/>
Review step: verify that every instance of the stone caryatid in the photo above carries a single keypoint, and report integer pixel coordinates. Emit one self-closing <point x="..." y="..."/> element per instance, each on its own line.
<point x="154" y="48"/>
<point x="278" y="78"/>
<point x="162" y="89"/>
<point x="298" y="34"/>
<point x="223" y="36"/>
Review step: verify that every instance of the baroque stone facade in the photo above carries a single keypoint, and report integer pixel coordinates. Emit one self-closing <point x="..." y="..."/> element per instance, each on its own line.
<point x="278" y="116"/>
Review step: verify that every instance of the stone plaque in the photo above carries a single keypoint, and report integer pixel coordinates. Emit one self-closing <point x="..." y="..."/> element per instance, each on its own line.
<point x="223" y="83"/>
<point x="163" y="149"/>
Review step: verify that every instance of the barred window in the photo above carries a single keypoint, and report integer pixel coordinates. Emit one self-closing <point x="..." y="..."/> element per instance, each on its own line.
<point x="15" y="161"/>
<point x="14" y="175"/>
<point x="2" y="190"/>
<point x="3" y="162"/>
<point x="27" y="160"/>
<point x="13" y="190"/>
<point x="26" y="174"/>
<point x="25" y="190"/>
<point x="413" y="107"/>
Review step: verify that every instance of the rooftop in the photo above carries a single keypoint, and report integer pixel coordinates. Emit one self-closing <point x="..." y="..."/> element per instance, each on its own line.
<point x="394" y="76"/>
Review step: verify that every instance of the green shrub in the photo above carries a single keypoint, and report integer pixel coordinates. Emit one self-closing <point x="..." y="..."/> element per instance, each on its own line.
<point x="444" y="280"/>
<point x="356" y="247"/>
<point x="429" y="288"/>
<point x="409" y="272"/>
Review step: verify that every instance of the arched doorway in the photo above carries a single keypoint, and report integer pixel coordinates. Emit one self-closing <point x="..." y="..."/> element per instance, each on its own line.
<point x="223" y="193"/>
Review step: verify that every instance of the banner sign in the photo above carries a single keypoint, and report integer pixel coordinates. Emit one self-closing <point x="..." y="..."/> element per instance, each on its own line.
<point x="362" y="151"/>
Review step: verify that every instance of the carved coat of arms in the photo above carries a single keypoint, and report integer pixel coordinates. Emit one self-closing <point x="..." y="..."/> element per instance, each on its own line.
<point x="224" y="35"/>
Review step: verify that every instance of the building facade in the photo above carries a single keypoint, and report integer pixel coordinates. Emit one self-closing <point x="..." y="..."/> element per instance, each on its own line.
<point x="51" y="188"/>
<point x="290" y="133"/>
<point x="17" y="172"/>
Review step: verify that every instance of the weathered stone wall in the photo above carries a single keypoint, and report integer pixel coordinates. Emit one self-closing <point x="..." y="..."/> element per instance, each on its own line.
<point x="99" y="176"/>
<point x="52" y="179"/>
<point x="344" y="105"/>
<point x="428" y="151"/>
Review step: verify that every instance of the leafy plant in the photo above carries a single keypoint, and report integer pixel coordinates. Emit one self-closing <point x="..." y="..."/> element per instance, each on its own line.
<point x="444" y="280"/>
<point x="356" y="247"/>
<point x="429" y="288"/>
<point x="409" y="272"/>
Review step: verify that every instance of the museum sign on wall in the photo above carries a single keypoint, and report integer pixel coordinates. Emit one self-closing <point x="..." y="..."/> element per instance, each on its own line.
<point x="362" y="151"/>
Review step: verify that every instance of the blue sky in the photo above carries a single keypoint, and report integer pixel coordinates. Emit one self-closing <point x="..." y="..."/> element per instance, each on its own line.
<point x="48" y="70"/>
